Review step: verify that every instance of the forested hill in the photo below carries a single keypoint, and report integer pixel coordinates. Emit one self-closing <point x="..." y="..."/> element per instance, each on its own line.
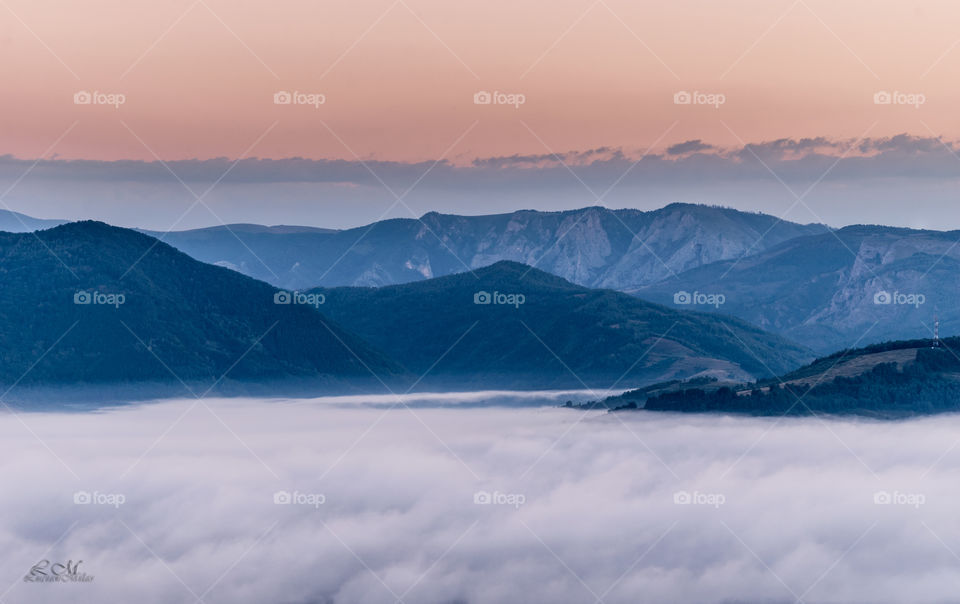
<point x="893" y="379"/>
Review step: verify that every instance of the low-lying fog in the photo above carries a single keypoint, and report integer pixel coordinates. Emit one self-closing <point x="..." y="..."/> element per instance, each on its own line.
<point x="272" y="501"/>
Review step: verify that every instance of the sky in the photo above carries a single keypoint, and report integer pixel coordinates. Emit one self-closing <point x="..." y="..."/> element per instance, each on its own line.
<point x="150" y="91"/>
<point x="382" y="505"/>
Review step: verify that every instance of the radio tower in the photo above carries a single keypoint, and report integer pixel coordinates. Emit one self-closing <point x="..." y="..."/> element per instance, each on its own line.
<point x="936" y="332"/>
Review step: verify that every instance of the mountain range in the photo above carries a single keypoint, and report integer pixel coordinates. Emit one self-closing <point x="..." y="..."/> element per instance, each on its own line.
<point x="594" y="246"/>
<point x="86" y="303"/>
<point x="822" y="288"/>
<point x="814" y="285"/>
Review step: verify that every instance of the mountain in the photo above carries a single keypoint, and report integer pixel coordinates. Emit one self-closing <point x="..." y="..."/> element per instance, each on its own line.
<point x="893" y="379"/>
<point x="512" y="324"/>
<point x="246" y="229"/>
<point x="15" y="222"/>
<point x="857" y="284"/>
<point x="595" y="247"/>
<point x="87" y="303"/>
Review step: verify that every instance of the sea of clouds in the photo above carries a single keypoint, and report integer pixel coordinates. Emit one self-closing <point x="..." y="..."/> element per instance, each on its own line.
<point x="318" y="501"/>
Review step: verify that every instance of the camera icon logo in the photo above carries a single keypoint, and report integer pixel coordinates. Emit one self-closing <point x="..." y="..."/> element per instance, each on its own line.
<point x="482" y="98"/>
<point x="882" y="297"/>
<point x="82" y="498"/>
<point x="482" y="297"/>
<point x="482" y="498"/>
<point x="682" y="297"/>
<point x="82" y="98"/>
<point x="881" y="498"/>
<point x="282" y="98"/>
<point x="681" y="498"/>
<point x="282" y="297"/>
<point x="82" y="298"/>
<point x="882" y="98"/>
<point x="282" y="498"/>
<point x="682" y="98"/>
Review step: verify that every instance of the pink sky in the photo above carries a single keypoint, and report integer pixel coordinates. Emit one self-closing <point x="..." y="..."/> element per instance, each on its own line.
<point x="399" y="77"/>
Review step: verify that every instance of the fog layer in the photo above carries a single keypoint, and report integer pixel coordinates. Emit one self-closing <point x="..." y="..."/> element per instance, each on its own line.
<point x="265" y="501"/>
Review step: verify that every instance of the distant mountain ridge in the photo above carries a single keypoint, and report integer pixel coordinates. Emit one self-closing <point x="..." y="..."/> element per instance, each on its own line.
<point x="593" y="246"/>
<point x="15" y="222"/>
<point x="249" y="228"/>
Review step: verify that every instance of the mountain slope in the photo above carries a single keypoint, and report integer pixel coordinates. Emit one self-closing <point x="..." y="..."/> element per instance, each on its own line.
<point x="63" y="320"/>
<point x="596" y="247"/>
<point x="820" y="290"/>
<point x="893" y="379"/>
<point x="558" y="333"/>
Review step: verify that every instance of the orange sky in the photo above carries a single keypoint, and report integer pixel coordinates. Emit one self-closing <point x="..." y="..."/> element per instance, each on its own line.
<point x="399" y="77"/>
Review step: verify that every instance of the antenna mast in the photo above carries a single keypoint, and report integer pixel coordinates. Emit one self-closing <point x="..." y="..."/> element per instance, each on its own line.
<point x="936" y="332"/>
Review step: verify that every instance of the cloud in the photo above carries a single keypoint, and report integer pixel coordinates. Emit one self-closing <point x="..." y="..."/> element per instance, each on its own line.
<point x="851" y="181"/>
<point x="905" y="144"/>
<point x="399" y="518"/>
<point x="799" y="157"/>
<point x="692" y="146"/>
<point x="789" y="147"/>
<point x="600" y="154"/>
